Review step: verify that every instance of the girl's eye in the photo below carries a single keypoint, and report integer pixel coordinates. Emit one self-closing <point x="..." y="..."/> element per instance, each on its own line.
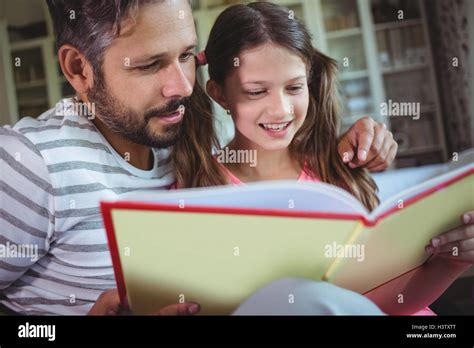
<point x="296" y="88"/>
<point x="255" y="93"/>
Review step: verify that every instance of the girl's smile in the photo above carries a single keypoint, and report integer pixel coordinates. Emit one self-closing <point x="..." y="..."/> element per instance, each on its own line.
<point x="276" y="130"/>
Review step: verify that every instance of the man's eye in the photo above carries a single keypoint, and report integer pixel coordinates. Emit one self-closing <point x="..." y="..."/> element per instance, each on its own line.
<point x="148" y="67"/>
<point x="186" y="56"/>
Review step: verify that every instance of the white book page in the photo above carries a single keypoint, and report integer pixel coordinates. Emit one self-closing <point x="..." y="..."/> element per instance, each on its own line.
<point x="301" y="196"/>
<point x="392" y="182"/>
<point x="413" y="191"/>
<point x="287" y="195"/>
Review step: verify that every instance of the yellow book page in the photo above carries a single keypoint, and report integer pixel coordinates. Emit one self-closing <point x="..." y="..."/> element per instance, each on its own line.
<point x="217" y="260"/>
<point x="396" y="244"/>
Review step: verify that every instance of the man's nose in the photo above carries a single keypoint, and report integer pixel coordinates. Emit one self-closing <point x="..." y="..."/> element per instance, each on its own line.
<point x="176" y="83"/>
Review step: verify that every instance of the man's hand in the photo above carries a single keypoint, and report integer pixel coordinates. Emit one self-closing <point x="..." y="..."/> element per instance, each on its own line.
<point x="368" y="144"/>
<point x="456" y="244"/>
<point x="108" y="303"/>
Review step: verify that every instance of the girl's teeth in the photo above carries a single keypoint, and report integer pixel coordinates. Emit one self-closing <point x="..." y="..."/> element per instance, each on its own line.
<point x="275" y="126"/>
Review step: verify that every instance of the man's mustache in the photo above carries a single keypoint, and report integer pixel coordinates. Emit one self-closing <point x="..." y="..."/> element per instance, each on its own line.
<point x="171" y="107"/>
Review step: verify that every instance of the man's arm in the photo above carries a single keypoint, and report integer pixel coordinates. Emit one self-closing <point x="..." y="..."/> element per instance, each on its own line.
<point x="108" y="303"/>
<point x="26" y="206"/>
<point x="368" y="144"/>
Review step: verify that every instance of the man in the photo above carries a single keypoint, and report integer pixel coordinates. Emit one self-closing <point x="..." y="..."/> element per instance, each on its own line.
<point x="132" y="62"/>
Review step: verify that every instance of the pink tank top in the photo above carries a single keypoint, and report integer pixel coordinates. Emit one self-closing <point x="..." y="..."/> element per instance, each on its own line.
<point x="304" y="176"/>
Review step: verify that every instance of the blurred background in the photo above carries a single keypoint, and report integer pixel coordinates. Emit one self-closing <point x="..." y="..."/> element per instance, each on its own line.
<point x="402" y="51"/>
<point x="399" y="50"/>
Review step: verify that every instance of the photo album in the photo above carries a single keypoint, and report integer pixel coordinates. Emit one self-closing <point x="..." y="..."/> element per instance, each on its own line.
<point x="236" y="171"/>
<point x="217" y="246"/>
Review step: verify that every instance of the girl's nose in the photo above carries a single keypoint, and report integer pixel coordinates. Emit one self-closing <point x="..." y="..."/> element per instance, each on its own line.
<point x="279" y="106"/>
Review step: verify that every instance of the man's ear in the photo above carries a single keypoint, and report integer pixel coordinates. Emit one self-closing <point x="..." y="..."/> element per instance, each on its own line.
<point x="76" y="68"/>
<point x="215" y="92"/>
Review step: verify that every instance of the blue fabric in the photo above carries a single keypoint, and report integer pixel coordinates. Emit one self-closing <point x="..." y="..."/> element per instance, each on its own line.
<point x="295" y="296"/>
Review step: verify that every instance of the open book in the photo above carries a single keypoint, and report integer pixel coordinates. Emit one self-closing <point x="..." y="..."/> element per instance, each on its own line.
<point x="217" y="246"/>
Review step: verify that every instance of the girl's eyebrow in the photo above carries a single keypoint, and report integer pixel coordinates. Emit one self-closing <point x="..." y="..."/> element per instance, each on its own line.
<point x="262" y="82"/>
<point x="297" y="78"/>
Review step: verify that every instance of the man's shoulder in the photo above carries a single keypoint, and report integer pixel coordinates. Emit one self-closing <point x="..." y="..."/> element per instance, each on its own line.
<point x="59" y="122"/>
<point x="55" y="135"/>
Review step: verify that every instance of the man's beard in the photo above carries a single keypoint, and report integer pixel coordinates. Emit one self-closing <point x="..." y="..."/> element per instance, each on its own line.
<point x="133" y="125"/>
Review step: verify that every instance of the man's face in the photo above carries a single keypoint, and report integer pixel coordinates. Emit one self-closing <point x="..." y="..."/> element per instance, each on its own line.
<point x="148" y="75"/>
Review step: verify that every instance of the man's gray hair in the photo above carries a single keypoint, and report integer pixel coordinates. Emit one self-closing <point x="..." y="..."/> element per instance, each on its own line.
<point x="91" y="25"/>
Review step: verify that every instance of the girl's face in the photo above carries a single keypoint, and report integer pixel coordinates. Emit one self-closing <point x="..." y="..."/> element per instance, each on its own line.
<point x="268" y="96"/>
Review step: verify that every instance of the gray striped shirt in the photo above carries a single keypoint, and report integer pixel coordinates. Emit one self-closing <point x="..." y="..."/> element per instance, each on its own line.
<point x="54" y="170"/>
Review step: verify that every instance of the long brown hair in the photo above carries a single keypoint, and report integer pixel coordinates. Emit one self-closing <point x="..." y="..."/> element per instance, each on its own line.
<point x="192" y="154"/>
<point x="242" y="27"/>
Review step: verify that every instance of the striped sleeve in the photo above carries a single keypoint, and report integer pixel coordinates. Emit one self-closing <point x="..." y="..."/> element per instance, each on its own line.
<point x="26" y="206"/>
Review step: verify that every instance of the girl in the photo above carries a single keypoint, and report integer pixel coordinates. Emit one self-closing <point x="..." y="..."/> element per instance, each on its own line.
<point x="289" y="118"/>
<point x="281" y="94"/>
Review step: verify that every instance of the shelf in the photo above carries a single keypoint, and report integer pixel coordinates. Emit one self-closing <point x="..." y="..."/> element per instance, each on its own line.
<point x="337" y="34"/>
<point x="349" y="120"/>
<point x="353" y="75"/>
<point x="30" y="84"/>
<point x="404" y="68"/>
<point x="33" y="102"/>
<point x="398" y="24"/>
<point x="32" y="43"/>
<point x="419" y="150"/>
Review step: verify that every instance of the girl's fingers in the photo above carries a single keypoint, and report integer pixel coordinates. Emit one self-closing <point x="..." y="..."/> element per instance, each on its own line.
<point x="459" y="233"/>
<point x="464" y="256"/>
<point x="457" y="246"/>
<point x="468" y="218"/>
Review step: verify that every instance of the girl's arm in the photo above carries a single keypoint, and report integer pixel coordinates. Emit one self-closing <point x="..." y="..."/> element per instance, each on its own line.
<point x="418" y="289"/>
<point x="453" y="254"/>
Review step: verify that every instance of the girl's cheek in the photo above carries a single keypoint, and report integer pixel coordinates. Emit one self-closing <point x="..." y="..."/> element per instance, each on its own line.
<point x="247" y="112"/>
<point x="301" y="108"/>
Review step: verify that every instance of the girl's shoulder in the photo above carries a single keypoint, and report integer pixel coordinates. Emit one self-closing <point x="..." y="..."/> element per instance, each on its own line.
<point x="231" y="178"/>
<point x="308" y="175"/>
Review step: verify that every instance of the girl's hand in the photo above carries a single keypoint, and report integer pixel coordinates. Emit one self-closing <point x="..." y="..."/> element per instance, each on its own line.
<point x="457" y="244"/>
<point x="368" y="144"/>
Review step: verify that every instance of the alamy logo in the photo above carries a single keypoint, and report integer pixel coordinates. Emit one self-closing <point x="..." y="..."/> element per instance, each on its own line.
<point x="37" y="331"/>
<point x="12" y="250"/>
<point x="392" y="108"/>
<point x="227" y="155"/>
<point x="334" y="250"/>
<point x="72" y="107"/>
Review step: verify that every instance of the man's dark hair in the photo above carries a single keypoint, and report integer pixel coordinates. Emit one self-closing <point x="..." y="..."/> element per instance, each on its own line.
<point x="90" y="25"/>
